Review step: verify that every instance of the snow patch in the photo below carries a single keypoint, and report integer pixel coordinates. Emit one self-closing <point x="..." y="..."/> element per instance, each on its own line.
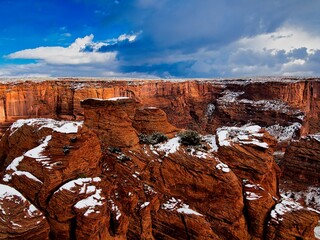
<point x="252" y="196"/>
<point x="211" y="141"/>
<point x="286" y="205"/>
<point x="144" y="205"/>
<point x="169" y="147"/>
<point x="284" y="133"/>
<point x="315" y="136"/>
<point x="317" y="231"/>
<point x="117" y="98"/>
<point x="91" y="202"/>
<point x="197" y="153"/>
<point x="311" y="196"/>
<point x="229" y="96"/>
<point x="35" y="153"/>
<point x="223" y="167"/>
<point x="210" y="109"/>
<point x="71" y="186"/>
<point x="28" y="175"/>
<point x="247" y="134"/>
<point x="56" y="126"/>
<point x="115" y="209"/>
<point x="177" y="205"/>
<point x="8" y="193"/>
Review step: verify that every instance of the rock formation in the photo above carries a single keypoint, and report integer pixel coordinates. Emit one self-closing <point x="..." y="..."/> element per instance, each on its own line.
<point x="97" y="180"/>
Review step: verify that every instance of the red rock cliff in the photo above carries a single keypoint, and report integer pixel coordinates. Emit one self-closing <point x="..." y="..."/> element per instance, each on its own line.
<point x="189" y="104"/>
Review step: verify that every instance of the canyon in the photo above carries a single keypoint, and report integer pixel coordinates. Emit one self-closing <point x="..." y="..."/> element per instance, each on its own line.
<point x="74" y="164"/>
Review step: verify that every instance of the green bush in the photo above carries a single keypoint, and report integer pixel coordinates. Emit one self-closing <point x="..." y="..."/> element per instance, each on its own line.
<point x="153" y="138"/>
<point x="189" y="138"/>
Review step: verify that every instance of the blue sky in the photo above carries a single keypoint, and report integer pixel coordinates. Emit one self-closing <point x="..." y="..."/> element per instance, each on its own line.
<point x="159" y="38"/>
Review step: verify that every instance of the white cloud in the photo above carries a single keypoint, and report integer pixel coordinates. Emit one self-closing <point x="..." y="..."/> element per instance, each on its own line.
<point x="128" y="37"/>
<point x="73" y="55"/>
<point x="285" y="38"/>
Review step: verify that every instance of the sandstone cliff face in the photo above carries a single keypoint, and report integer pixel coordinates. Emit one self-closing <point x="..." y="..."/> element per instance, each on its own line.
<point x="188" y="104"/>
<point x="301" y="162"/>
<point x="94" y="180"/>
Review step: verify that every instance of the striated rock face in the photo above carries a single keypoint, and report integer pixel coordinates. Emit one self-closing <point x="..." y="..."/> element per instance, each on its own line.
<point x="95" y="180"/>
<point x="151" y="119"/>
<point x="19" y="218"/>
<point x="112" y="120"/>
<point x="301" y="163"/>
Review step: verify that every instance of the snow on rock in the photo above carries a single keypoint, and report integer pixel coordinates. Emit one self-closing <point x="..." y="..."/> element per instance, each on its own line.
<point x="223" y="167"/>
<point x="284" y="133"/>
<point x="171" y="146"/>
<point x="85" y="184"/>
<point x="9" y="194"/>
<point x="85" y="187"/>
<point x="252" y="196"/>
<point x="317" y="231"/>
<point x="35" y="153"/>
<point x="115" y="209"/>
<point x="273" y="105"/>
<point x="14" y="164"/>
<point x="117" y="98"/>
<point x="149" y="190"/>
<point x="56" y="126"/>
<point x="177" y="205"/>
<point x="263" y="105"/>
<point x="197" y="153"/>
<point x="223" y="137"/>
<point x="311" y="196"/>
<point x="286" y="205"/>
<point x="229" y="96"/>
<point x="210" y="109"/>
<point x="315" y="136"/>
<point x="247" y="134"/>
<point x="251" y="191"/>
<point x="144" y="205"/>
<point x="211" y="141"/>
<point x="91" y="202"/>
<point x="28" y="175"/>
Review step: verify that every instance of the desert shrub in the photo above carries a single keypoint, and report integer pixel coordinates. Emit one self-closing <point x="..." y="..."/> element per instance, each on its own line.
<point x="189" y="138"/>
<point x="153" y="138"/>
<point x="114" y="149"/>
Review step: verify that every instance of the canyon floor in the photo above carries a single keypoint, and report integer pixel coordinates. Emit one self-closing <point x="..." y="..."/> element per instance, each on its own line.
<point x="160" y="159"/>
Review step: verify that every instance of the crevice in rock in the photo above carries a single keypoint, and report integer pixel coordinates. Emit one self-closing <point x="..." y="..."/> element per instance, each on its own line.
<point x="185" y="226"/>
<point x="73" y="227"/>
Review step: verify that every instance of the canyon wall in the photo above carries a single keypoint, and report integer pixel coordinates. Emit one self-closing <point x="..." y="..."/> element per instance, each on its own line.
<point x="98" y="179"/>
<point x="199" y="105"/>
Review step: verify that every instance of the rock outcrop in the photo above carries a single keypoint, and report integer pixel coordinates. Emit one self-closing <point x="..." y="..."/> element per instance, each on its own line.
<point x="301" y="162"/>
<point x="289" y="220"/>
<point x="112" y="120"/>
